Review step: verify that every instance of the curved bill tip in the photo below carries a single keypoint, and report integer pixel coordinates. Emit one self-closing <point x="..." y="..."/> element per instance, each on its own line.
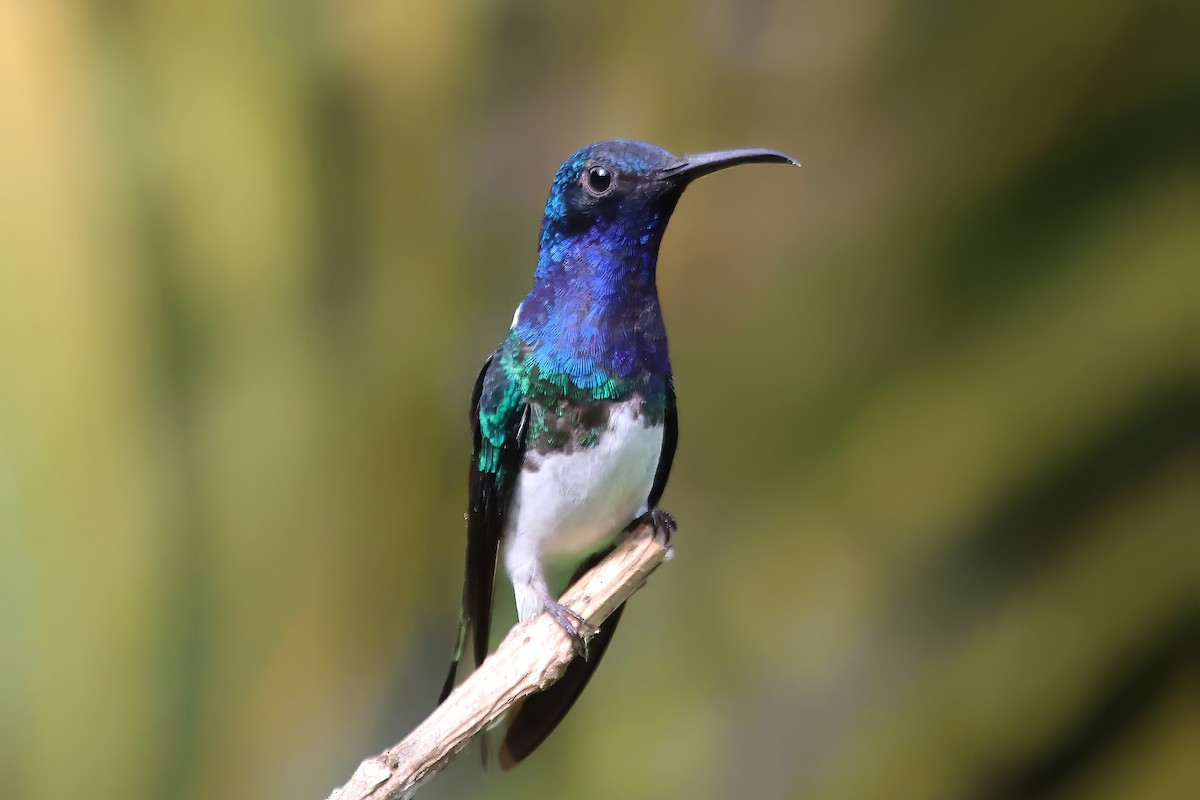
<point x="693" y="166"/>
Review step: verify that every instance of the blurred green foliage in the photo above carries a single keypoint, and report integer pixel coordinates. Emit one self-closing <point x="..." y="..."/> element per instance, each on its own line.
<point x="939" y="476"/>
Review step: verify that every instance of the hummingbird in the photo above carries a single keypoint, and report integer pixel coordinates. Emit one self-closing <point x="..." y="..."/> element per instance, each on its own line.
<point x="573" y="416"/>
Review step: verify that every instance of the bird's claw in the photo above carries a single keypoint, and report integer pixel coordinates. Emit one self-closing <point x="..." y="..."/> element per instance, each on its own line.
<point x="662" y="525"/>
<point x="575" y="626"/>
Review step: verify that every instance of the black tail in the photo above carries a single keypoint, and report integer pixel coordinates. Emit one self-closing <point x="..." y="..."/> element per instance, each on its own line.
<point x="536" y="717"/>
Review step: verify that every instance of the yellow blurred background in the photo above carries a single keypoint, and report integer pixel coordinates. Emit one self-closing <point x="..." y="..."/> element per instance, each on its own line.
<point x="939" y="474"/>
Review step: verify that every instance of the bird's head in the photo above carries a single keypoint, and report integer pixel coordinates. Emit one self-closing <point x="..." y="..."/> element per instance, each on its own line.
<point x="618" y="195"/>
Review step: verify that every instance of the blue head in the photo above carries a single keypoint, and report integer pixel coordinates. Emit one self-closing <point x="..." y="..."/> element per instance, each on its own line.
<point x="593" y="314"/>
<point x="610" y="202"/>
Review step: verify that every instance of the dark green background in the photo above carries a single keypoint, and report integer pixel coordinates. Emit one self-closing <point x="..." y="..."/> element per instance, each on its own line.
<point x="939" y="476"/>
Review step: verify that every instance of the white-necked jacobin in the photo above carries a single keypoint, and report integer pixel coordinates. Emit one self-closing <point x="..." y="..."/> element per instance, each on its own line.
<point x="573" y="415"/>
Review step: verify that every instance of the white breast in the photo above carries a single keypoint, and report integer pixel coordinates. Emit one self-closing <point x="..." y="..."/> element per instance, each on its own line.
<point x="571" y="503"/>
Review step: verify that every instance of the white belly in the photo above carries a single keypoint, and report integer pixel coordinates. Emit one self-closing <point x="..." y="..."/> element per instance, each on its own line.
<point x="572" y="503"/>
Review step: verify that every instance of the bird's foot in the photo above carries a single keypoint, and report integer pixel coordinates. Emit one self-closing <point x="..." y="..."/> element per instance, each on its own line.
<point x="662" y="524"/>
<point x="575" y="626"/>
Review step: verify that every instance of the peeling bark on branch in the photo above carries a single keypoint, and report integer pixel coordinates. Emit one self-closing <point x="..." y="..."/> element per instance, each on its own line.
<point x="532" y="656"/>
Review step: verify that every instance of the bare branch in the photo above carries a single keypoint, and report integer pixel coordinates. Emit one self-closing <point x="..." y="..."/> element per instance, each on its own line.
<point x="533" y="656"/>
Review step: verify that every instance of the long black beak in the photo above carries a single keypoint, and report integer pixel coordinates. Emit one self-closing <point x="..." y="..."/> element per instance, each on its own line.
<point x="691" y="167"/>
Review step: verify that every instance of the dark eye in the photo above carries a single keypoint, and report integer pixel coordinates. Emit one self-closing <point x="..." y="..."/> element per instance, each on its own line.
<point x="598" y="181"/>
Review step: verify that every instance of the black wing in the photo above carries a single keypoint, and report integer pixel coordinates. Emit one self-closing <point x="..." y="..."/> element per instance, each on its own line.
<point x="539" y="714"/>
<point x="489" y="493"/>
<point x="670" y="439"/>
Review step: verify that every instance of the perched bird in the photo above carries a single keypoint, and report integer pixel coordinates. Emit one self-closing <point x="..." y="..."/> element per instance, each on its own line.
<point x="573" y="415"/>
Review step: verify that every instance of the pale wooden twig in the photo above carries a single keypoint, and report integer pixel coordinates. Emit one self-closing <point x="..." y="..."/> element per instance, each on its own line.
<point x="533" y="655"/>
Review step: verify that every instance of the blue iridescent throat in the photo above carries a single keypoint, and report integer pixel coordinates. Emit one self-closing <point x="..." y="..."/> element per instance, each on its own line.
<point x="592" y="322"/>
